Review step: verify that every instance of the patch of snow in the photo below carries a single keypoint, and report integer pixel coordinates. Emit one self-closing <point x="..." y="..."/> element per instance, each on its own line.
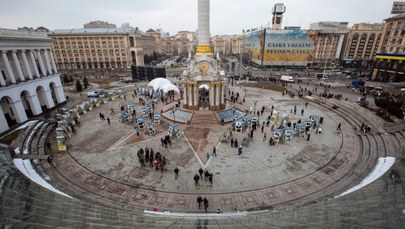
<point x="26" y="168"/>
<point x="383" y="165"/>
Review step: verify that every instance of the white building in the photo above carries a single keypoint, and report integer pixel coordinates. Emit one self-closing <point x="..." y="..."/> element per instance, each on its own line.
<point x="29" y="80"/>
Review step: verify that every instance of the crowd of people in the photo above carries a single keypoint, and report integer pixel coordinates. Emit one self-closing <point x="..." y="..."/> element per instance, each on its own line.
<point x="154" y="160"/>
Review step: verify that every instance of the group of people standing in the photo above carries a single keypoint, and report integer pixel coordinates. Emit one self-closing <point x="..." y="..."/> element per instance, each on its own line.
<point x="207" y="176"/>
<point x="155" y="160"/>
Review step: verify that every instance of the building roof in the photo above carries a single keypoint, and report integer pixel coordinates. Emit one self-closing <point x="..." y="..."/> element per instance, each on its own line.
<point x="22" y="34"/>
<point x="396" y="17"/>
<point x="89" y="31"/>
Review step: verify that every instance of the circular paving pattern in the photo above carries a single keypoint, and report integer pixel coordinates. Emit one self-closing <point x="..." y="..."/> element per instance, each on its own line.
<point x="102" y="163"/>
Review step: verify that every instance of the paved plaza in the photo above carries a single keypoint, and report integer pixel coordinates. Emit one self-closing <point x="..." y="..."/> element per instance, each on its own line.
<point x="103" y="160"/>
<point x="294" y="184"/>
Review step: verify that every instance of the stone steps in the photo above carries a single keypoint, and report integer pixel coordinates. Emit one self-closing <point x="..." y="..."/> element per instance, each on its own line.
<point x="204" y="117"/>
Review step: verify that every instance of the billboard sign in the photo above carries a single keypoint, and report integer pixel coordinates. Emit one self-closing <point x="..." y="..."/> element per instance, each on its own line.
<point x="282" y="47"/>
<point x="253" y="47"/>
<point x="290" y="47"/>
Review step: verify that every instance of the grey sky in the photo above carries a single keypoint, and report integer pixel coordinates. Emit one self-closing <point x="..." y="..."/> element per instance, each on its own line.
<point x="227" y="16"/>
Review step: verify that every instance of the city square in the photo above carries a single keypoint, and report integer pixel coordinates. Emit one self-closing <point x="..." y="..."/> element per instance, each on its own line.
<point x="102" y="129"/>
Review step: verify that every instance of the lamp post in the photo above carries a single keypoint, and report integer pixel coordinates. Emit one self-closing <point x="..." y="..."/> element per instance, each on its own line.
<point x="174" y="116"/>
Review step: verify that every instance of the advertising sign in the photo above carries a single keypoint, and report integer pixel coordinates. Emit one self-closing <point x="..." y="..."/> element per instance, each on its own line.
<point x="254" y="47"/>
<point x="281" y="47"/>
<point x="289" y="47"/>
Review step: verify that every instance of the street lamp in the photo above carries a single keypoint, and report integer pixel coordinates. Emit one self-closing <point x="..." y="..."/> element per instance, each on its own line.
<point x="174" y="116"/>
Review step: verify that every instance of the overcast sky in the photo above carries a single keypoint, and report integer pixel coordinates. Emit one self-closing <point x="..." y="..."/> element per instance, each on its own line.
<point x="227" y="16"/>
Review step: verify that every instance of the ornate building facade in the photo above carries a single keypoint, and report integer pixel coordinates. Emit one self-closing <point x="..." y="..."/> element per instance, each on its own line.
<point x="29" y="78"/>
<point x="362" y="43"/>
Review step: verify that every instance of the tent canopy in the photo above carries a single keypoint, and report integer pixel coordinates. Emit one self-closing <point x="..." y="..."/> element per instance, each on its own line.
<point x="158" y="83"/>
<point x="170" y="87"/>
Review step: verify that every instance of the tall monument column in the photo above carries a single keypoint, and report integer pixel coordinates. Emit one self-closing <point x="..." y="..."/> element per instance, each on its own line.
<point x="204" y="36"/>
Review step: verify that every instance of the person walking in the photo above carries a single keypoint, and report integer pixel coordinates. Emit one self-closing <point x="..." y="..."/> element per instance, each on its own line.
<point x="338" y="127"/>
<point x="264" y="137"/>
<point x="201" y="171"/>
<point x="206" y="175"/>
<point x="199" y="201"/>
<point x="205" y="200"/>
<point x="176" y="173"/>
<point x="308" y="135"/>
<point x="108" y="121"/>
<point x="196" y="178"/>
<point x="210" y="178"/>
<point x="214" y="151"/>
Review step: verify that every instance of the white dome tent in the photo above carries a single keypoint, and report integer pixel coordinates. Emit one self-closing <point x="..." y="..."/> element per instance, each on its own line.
<point x="170" y="87"/>
<point x="158" y="83"/>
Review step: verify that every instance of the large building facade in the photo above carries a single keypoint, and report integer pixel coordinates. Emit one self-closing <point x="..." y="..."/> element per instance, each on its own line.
<point x="228" y="45"/>
<point x="182" y="42"/>
<point x="105" y="48"/>
<point x="389" y="62"/>
<point x="361" y="44"/>
<point x="29" y="79"/>
<point x="99" y="48"/>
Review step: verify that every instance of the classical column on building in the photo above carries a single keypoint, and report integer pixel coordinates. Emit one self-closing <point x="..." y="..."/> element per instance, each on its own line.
<point x="3" y="122"/>
<point x="2" y="81"/>
<point x="17" y="65"/>
<point x="218" y="99"/>
<point x="55" y="70"/>
<point x="26" y="65"/>
<point x="41" y="62"/>
<point x="222" y="95"/>
<point x="196" y="95"/>
<point x="185" y="94"/>
<point x="34" y="64"/>
<point x="190" y="94"/>
<point x="59" y="94"/>
<point x="211" y="93"/>
<point x="34" y="104"/>
<point x="48" y="63"/>
<point x="19" y="111"/>
<point x="48" y="99"/>
<point x="8" y="67"/>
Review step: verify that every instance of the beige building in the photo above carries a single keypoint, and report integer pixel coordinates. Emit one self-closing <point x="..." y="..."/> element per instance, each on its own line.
<point x="393" y="35"/>
<point x="91" y="48"/>
<point x="330" y="44"/>
<point x="228" y="45"/>
<point x="104" y="48"/>
<point x="222" y="44"/>
<point x="362" y="42"/>
<point x="182" y="42"/>
<point x="389" y="62"/>
<point x="237" y="44"/>
<point x="329" y="47"/>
